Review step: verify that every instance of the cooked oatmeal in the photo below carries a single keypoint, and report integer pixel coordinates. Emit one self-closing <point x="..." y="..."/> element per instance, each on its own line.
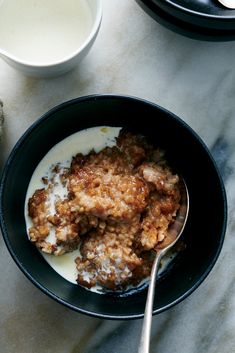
<point x="116" y="207"/>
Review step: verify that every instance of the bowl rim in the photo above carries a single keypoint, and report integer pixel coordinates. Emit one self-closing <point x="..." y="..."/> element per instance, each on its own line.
<point x="3" y="227"/>
<point x="193" y="12"/>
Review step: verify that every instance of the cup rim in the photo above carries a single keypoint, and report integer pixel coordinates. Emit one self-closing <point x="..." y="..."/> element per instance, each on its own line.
<point x="93" y="31"/>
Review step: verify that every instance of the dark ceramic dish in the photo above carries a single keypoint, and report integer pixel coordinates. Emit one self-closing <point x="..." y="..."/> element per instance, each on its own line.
<point x="207" y="13"/>
<point x="205" y="228"/>
<point x="196" y="29"/>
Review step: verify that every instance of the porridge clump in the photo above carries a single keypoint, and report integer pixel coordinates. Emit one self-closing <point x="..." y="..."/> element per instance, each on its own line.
<point x="115" y="205"/>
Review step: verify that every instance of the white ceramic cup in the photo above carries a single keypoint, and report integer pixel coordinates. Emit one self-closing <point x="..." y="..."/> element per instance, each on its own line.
<point x="55" y="66"/>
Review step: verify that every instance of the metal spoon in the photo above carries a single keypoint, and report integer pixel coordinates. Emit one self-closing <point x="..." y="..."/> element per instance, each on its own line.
<point x="230" y="4"/>
<point x="174" y="233"/>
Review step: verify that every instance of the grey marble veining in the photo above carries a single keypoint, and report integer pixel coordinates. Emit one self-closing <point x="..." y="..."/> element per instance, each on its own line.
<point x="196" y="80"/>
<point x="1" y="119"/>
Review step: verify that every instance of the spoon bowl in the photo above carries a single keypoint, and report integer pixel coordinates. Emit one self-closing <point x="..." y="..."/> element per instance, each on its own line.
<point x="174" y="233"/>
<point x="230" y="4"/>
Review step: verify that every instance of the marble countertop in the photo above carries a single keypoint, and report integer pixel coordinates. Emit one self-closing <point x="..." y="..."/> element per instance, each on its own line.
<point x="132" y="55"/>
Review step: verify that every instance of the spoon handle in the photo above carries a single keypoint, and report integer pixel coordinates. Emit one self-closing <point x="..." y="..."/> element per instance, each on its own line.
<point x="147" y="323"/>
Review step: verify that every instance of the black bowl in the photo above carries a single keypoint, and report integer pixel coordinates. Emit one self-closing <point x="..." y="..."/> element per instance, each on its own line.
<point x="205" y="228"/>
<point x="181" y="22"/>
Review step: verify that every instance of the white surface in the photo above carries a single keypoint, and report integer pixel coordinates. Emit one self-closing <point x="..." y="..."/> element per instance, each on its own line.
<point x="196" y="80"/>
